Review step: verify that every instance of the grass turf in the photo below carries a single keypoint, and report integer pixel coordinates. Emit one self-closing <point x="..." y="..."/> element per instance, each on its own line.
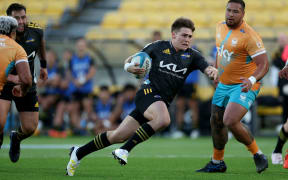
<point x="158" y="158"/>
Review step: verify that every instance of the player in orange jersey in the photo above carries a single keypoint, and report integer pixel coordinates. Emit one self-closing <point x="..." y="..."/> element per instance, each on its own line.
<point x="242" y="62"/>
<point x="12" y="55"/>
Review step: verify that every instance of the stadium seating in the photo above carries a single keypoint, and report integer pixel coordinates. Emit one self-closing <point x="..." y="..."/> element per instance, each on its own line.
<point x="42" y="11"/>
<point x="134" y="16"/>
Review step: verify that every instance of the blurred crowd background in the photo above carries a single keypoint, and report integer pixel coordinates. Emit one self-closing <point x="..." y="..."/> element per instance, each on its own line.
<point x="106" y="32"/>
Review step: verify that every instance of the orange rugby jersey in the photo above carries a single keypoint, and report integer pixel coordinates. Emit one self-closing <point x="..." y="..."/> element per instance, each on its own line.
<point x="11" y="53"/>
<point x="235" y="50"/>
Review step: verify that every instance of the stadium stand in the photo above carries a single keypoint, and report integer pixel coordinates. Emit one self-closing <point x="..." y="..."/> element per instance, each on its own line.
<point x="42" y="12"/>
<point x="134" y="16"/>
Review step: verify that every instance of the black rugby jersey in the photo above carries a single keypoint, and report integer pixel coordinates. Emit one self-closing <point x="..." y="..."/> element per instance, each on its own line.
<point x="31" y="42"/>
<point x="170" y="68"/>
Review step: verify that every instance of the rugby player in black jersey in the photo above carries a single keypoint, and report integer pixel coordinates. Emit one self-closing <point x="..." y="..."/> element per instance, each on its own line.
<point x="172" y="61"/>
<point x="30" y="37"/>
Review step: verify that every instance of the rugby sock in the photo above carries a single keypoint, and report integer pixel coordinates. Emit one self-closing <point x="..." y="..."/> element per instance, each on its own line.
<point x="142" y="134"/>
<point x="282" y="138"/>
<point x="218" y="156"/>
<point x="99" y="142"/>
<point x="21" y="135"/>
<point x="1" y="139"/>
<point x="253" y="147"/>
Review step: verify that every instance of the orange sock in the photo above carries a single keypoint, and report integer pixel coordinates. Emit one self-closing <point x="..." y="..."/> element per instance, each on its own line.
<point x="253" y="148"/>
<point x="218" y="154"/>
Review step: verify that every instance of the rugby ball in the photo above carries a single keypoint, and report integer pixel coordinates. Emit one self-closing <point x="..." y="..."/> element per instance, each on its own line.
<point x="144" y="61"/>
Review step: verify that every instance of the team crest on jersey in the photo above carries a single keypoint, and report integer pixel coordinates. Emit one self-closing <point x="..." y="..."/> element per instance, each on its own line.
<point x="185" y="56"/>
<point x="258" y="44"/>
<point x="234" y="42"/>
<point x="166" y="51"/>
<point x="30" y="40"/>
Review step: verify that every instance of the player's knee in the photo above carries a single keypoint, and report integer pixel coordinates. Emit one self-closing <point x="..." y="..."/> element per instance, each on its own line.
<point x="164" y="121"/>
<point x="229" y="122"/>
<point x="29" y="129"/>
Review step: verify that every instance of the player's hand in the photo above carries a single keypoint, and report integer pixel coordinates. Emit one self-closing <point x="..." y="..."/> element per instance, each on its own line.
<point x="216" y="82"/>
<point x="14" y="79"/>
<point x="135" y="69"/>
<point x="43" y="74"/>
<point x="246" y="84"/>
<point x="17" y="91"/>
<point x="284" y="73"/>
<point x="211" y="72"/>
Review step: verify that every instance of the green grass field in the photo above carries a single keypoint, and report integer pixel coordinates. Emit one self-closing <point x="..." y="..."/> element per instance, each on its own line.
<point x="158" y="158"/>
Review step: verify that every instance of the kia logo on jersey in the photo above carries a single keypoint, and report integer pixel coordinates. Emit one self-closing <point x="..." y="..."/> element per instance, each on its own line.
<point x="172" y="67"/>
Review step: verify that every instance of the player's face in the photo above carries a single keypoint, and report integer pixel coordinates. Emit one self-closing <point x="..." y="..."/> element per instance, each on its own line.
<point x="181" y="40"/>
<point x="234" y="15"/>
<point x="20" y="16"/>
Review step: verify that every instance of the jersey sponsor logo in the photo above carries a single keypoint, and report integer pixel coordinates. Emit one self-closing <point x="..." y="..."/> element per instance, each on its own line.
<point x="172" y="67"/>
<point x="224" y="53"/>
<point x="166" y="51"/>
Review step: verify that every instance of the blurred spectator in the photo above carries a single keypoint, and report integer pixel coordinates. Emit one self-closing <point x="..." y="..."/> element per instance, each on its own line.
<point x="279" y="63"/>
<point x="58" y="125"/>
<point x="124" y="105"/>
<point x="103" y="108"/>
<point x="156" y="35"/>
<point x="49" y="97"/>
<point x="81" y="72"/>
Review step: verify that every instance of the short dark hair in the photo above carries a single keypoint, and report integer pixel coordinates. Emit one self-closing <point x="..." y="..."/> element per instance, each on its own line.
<point x="15" y="7"/>
<point x="129" y="87"/>
<point x="182" y="22"/>
<point x="241" y="2"/>
<point x="104" y="88"/>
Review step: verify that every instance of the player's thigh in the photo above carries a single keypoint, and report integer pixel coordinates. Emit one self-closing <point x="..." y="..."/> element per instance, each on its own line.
<point x="29" y="120"/>
<point x="4" y="109"/>
<point x="233" y="113"/>
<point x="125" y="130"/>
<point x="157" y="110"/>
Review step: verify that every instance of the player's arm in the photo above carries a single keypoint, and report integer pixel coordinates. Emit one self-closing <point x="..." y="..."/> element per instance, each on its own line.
<point x="43" y="62"/>
<point x="131" y="67"/>
<point x="211" y="72"/>
<point x="91" y="72"/>
<point x="284" y="72"/>
<point x="24" y="74"/>
<point x="202" y="65"/>
<point x="262" y="64"/>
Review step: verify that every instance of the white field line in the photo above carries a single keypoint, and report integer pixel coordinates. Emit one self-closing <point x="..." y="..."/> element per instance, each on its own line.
<point x="93" y="155"/>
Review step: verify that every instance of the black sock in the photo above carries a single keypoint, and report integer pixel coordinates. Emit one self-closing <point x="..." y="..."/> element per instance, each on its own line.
<point x="1" y="139"/>
<point x="281" y="141"/>
<point x="21" y="135"/>
<point x="142" y="134"/>
<point x="99" y="142"/>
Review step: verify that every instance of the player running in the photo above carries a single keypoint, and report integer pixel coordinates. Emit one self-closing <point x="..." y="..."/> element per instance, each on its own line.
<point x="242" y="62"/>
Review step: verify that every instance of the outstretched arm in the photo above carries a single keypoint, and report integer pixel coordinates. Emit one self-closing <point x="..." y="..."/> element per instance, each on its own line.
<point x="211" y="72"/>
